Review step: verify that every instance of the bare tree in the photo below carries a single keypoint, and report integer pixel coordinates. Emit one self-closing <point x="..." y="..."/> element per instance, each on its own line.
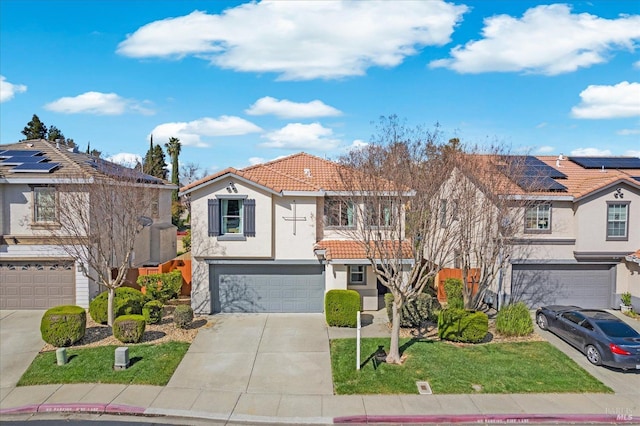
<point x="395" y="186"/>
<point x="100" y="217"/>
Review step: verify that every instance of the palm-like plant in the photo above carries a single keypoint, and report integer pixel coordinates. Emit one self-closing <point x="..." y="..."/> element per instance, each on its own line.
<point x="173" y="149"/>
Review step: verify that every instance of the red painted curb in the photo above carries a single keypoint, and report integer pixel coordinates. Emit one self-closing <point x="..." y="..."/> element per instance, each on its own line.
<point x="25" y="409"/>
<point x="74" y="408"/>
<point x="500" y="418"/>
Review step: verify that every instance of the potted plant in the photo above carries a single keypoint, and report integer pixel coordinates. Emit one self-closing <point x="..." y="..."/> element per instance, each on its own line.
<point x="625" y="306"/>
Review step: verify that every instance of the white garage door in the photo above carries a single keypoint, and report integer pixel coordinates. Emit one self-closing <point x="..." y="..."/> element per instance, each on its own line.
<point x="587" y="286"/>
<point x="36" y="285"/>
<point x="267" y="288"/>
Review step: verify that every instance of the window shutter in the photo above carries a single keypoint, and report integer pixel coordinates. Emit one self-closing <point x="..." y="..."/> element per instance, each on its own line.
<point x="250" y="218"/>
<point x="214" y="217"/>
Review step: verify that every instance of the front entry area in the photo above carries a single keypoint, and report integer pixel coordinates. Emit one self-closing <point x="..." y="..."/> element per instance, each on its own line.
<point x="267" y="288"/>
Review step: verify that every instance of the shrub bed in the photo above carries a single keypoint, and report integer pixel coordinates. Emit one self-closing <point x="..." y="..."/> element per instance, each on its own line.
<point x="129" y="328"/>
<point x="127" y="301"/>
<point x="459" y="325"/>
<point x="423" y="308"/>
<point x="161" y="287"/>
<point x="182" y="316"/>
<point x="514" y="320"/>
<point x="453" y="289"/>
<point x="152" y="312"/>
<point x="341" y="308"/>
<point x="63" y="325"/>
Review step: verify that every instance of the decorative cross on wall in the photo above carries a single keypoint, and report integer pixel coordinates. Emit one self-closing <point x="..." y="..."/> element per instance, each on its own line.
<point x="295" y="218"/>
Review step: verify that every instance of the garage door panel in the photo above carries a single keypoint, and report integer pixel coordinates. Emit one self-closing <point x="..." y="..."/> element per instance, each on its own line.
<point x="36" y="285"/>
<point x="267" y="288"/>
<point x="588" y="286"/>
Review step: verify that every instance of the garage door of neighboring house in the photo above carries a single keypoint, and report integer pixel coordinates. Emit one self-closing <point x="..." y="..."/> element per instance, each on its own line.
<point x="587" y="286"/>
<point x="36" y="285"/>
<point x="267" y="288"/>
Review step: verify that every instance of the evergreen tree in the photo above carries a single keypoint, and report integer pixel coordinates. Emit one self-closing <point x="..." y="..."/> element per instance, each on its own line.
<point x="154" y="161"/>
<point x="35" y="129"/>
<point x="55" y="133"/>
<point x="173" y="149"/>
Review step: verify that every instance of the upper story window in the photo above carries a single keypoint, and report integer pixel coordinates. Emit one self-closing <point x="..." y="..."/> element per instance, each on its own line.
<point x="233" y="217"/>
<point x="339" y="213"/>
<point x="44" y="204"/>
<point x="357" y="275"/>
<point x="380" y="214"/>
<point x="538" y="218"/>
<point x="617" y="220"/>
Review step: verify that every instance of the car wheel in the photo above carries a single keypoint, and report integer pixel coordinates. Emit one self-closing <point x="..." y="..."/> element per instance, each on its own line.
<point x="541" y="320"/>
<point x="593" y="355"/>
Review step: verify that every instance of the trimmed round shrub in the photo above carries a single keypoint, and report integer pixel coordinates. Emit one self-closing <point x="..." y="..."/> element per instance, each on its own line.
<point x="453" y="290"/>
<point x="63" y="325"/>
<point x="423" y="308"/>
<point x="182" y="316"/>
<point x="161" y="287"/>
<point x="514" y="320"/>
<point x="459" y="325"/>
<point x="341" y="308"/>
<point x="129" y="328"/>
<point x="152" y="311"/>
<point x="127" y="301"/>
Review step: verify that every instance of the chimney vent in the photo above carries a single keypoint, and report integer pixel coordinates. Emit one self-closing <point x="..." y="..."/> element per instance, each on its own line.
<point x="307" y="172"/>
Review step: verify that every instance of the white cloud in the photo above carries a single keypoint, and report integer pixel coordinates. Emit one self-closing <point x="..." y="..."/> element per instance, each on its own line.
<point x="636" y="65"/>
<point x="628" y="132"/>
<point x="621" y="100"/>
<point x="256" y="160"/>
<point x="545" y="149"/>
<point x="99" y="104"/>
<point x="548" y="39"/>
<point x="591" y="152"/>
<point x="541" y="125"/>
<point x="632" y="153"/>
<point x="302" y="136"/>
<point x="125" y="159"/>
<point x="301" y="40"/>
<point x="288" y="109"/>
<point x="9" y="90"/>
<point x="191" y="133"/>
<point x="357" y="144"/>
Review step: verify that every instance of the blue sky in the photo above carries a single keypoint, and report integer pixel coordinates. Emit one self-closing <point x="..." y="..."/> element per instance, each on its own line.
<point x="241" y="83"/>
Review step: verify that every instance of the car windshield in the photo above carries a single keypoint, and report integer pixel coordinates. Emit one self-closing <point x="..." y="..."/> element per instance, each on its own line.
<point x="617" y="329"/>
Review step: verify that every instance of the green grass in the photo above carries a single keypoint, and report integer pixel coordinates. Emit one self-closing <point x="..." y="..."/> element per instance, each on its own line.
<point x="526" y="367"/>
<point x="150" y="365"/>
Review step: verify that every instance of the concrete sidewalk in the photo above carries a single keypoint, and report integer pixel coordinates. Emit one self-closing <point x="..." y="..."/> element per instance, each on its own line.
<point x="274" y="368"/>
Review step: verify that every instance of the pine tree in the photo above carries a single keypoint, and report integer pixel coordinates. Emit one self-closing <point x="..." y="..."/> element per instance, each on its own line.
<point x="35" y="129"/>
<point x="154" y="161"/>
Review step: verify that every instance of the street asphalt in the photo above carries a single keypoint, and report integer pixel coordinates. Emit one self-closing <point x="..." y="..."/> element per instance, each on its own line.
<point x="276" y="369"/>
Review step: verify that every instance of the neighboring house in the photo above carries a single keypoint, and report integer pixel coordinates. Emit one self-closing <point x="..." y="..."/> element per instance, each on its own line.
<point x="269" y="238"/>
<point x="34" y="272"/>
<point x="579" y="237"/>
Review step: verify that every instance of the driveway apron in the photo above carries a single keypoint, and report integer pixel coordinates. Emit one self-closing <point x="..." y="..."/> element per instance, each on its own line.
<point x="261" y="354"/>
<point x="21" y="342"/>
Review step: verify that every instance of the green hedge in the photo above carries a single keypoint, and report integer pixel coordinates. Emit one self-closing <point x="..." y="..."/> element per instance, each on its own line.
<point x="127" y="301"/>
<point x="514" y="320"/>
<point x="453" y="290"/>
<point x="161" y="287"/>
<point x="341" y="308"/>
<point x="182" y="316"/>
<point x="129" y="328"/>
<point x="459" y="325"/>
<point x="152" y="312"/>
<point x="63" y="325"/>
<point x="423" y="308"/>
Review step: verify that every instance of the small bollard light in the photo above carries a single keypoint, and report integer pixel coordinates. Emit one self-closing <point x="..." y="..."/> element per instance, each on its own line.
<point x="122" y="359"/>
<point x="61" y="356"/>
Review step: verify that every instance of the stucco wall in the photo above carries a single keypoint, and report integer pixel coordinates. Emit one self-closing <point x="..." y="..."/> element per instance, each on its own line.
<point x="300" y="245"/>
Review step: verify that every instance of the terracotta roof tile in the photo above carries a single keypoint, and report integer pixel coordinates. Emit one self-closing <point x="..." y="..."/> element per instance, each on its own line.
<point x="348" y="249"/>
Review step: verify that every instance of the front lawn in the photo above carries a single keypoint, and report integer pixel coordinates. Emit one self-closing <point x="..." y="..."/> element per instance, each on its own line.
<point x="150" y="365"/>
<point x="524" y="367"/>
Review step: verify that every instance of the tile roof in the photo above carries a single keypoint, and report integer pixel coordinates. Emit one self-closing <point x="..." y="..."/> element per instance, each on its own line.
<point x="349" y="249"/>
<point x="634" y="257"/>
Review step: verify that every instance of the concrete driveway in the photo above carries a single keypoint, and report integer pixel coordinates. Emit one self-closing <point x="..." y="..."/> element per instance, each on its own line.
<point x="259" y="354"/>
<point x="21" y="342"/>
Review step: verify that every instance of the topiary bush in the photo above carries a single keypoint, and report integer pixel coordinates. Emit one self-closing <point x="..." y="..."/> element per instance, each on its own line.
<point x="63" y="325"/>
<point x="161" y="287"/>
<point x="341" y="308"/>
<point x="129" y="328"/>
<point x="182" y="316"/>
<point x="152" y="311"/>
<point x="459" y="325"/>
<point x="423" y="308"/>
<point x="514" y="320"/>
<point x="453" y="290"/>
<point x="127" y="301"/>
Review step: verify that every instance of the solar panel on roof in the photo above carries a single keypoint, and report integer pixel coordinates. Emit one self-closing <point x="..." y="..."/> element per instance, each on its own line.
<point x="35" y="167"/>
<point x="20" y="159"/>
<point x="607" y="162"/>
<point x="536" y="183"/>
<point x="19" y="153"/>
<point x="532" y="174"/>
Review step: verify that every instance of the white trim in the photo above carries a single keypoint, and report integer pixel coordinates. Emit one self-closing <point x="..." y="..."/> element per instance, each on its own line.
<point x="366" y="261"/>
<point x="303" y="193"/>
<point x="226" y="175"/>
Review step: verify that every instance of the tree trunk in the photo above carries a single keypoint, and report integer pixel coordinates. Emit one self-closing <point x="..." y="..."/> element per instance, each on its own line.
<point x="112" y="294"/>
<point x="393" y="357"/>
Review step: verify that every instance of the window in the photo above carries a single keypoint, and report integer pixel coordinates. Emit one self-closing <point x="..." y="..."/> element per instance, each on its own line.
<point x="617" y="221"/>
<point x="231" y="216"/>
<point x="44" y="204"/>
<point x="380" y="214"/>
<point x="234" y="217"/>
<point x="538" y="218"/>
<point x="357" y="275"/>
<point x="443" y="213"/>
<point x="339" y="213"/>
